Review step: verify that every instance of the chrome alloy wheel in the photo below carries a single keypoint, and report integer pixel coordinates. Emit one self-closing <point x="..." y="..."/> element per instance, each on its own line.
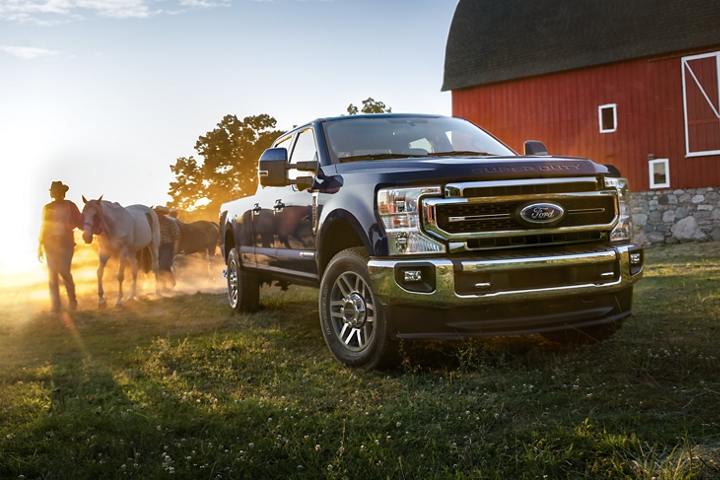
<point x="353" y="311"/>
<point x="232" y="279"/>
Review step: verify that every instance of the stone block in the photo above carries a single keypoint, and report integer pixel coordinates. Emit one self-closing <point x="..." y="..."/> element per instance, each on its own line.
<point x="639" y="219"/>
<point x="668" y="216"/>
<point x="655" y="237"/>
<point x="687" y="230"/>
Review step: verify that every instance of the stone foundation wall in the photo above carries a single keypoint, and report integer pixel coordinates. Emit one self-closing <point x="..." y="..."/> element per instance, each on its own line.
<point x="676" y="216"/>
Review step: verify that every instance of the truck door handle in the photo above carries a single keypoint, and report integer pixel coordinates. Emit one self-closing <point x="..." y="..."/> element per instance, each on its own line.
<point x="256" y="209"/>
<point x="279" y="205"/>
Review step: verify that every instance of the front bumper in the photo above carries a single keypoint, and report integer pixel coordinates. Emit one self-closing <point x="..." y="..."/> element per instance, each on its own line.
<point x="523" y="292"/>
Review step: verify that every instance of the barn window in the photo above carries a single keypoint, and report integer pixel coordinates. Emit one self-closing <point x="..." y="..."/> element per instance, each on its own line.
<point x="659" y="173"/>
<point x="701" y="101"/>
<point x="607" y="117"/>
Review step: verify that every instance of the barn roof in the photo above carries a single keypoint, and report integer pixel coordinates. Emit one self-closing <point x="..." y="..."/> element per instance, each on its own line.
<point x="498" y="40"/>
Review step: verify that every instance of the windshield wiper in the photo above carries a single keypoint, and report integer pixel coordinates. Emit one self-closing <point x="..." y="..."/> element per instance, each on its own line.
<point x="462" y="153"/>
<point x="373" y="156"/>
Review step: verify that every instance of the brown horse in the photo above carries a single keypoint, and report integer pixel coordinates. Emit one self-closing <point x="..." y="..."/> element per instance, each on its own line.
<point x="202" y="237"/>
<point x="128" y="233"/>
<point x="199" y="237"/>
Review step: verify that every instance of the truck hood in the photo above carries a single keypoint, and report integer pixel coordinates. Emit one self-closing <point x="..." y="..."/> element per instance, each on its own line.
<point x="448" y="169"/>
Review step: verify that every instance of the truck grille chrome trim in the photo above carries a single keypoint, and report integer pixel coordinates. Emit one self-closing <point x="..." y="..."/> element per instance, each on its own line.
<point x="497" y="218"/>
<point x="537" y="261"/>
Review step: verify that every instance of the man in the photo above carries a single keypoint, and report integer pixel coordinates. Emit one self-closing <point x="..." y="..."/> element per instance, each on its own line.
<point x="59" y="218"/>
<point x="169" y="242"/>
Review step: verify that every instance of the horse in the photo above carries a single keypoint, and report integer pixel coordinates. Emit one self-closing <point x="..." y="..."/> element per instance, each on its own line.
<point x="130" y="233"/>
<point x="201" y="237"/>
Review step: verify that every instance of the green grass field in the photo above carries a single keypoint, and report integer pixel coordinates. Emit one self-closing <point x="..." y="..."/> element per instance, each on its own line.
<point x="181" y="387"/>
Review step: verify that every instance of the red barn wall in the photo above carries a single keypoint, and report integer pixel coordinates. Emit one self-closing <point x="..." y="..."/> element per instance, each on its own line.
<point x="562" y="111"/>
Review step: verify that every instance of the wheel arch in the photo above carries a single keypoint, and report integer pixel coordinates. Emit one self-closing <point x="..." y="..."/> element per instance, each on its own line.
<point x="339" y="233"/>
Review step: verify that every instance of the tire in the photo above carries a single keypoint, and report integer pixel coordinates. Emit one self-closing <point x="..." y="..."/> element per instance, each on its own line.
<point x="243" y="286"/>
<point x="584" y="335"/>
<point x="351" y="318"/>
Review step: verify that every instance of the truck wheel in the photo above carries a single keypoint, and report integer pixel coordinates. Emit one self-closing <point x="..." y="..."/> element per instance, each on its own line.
<point x="243" y="286"/>
<point x="351" y="318"/>
<point x="584" y="335"/>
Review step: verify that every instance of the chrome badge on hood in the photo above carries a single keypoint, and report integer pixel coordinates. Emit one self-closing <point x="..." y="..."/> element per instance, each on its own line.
<point x="542" y="213"/>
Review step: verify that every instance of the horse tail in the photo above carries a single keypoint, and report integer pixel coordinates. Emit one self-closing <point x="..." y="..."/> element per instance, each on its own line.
<point x="144" y="259"/>
<point x="218" y="240"/>
<point x="145" y="255"/>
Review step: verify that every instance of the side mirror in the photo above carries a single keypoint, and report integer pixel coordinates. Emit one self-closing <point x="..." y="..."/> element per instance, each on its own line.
<point x="272" y="167"/>
<point x="534" y="147"/>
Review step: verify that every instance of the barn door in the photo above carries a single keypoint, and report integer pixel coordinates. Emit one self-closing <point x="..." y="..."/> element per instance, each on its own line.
<point x="701" y="96"/>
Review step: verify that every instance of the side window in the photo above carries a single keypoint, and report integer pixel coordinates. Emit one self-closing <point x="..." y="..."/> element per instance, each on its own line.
<point x="607" y="118"/>
<point x="304" y="151"/>
<point x="659" y="173"/>
<point x="285" y="143"/>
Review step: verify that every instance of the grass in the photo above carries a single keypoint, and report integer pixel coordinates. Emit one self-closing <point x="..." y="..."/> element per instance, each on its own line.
<point x="181" y="387"/>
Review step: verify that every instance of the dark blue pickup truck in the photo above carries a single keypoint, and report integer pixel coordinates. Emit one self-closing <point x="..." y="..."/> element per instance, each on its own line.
<point x="428" y="227"/>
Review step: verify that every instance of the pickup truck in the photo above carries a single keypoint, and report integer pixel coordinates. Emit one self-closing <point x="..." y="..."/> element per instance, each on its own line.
<point x="429" y="227"/>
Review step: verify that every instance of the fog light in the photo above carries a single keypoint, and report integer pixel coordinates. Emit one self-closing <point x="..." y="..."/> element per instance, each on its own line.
<point x="636" y="261"/>
<point x="416" y="277"/>
<point x="412" y="275"/>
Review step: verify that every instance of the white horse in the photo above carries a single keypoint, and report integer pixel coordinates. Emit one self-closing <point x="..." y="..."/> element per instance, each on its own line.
<point x="131" y="233"/>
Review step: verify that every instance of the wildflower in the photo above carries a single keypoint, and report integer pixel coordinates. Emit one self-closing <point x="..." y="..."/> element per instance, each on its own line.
<point x="317" y="448"/>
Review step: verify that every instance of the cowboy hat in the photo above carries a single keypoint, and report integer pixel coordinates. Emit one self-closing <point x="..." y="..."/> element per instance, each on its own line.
<point x="58" y="187"/>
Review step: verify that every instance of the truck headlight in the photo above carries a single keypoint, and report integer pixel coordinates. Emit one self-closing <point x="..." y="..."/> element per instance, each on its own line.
<point x="623" y="230"/>
<point x="400" y="210"/>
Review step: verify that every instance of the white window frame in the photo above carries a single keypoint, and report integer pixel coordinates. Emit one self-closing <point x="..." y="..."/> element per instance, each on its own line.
<point x="600" y="117"/>
<point x="691" y="78"/>
<point x="651" y="168"/>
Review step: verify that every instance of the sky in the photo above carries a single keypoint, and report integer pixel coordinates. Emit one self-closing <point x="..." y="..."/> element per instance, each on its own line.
<point x="105" y="95"/>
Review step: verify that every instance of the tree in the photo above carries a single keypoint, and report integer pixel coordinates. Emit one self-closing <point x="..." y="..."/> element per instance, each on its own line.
<point x="369" y="106"/>
<point x="229" y="168"/>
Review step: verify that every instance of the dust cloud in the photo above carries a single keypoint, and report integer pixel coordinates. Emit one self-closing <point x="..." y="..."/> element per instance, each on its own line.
<point x="24" y="291"/>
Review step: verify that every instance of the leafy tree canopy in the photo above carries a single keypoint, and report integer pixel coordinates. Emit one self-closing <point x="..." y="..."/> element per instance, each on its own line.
<point x="229" y="168"/>
<point x="369" y="106"/>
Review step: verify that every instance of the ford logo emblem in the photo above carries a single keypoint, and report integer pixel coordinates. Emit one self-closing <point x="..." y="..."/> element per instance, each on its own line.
<point x="542" y="213"/>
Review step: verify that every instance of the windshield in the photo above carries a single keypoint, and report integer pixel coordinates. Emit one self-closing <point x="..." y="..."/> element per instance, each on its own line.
<point x="382" y="137"/>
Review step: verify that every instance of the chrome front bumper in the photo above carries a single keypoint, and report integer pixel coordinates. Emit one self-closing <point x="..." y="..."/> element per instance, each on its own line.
<point x="442" y="291"/>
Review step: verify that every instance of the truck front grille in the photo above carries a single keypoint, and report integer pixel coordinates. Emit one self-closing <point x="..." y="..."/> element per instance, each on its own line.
<point x="483" y="216"/>
<point x="486" y="215"/>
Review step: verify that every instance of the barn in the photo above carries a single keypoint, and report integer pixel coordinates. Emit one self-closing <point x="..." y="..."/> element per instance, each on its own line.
<point x="632" y="83"/>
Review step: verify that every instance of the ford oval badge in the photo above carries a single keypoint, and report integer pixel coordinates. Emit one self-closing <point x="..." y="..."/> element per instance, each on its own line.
<point x="542" y="213"/>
